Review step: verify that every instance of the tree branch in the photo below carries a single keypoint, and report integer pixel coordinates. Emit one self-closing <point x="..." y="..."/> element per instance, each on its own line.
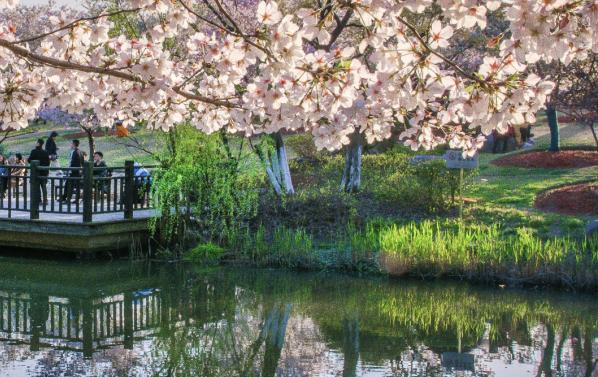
<point x="57" y="63"/>
<point x="6" y="135"/>
<point x="340" y="26"/>
<point x="441" y="56"/>
<point x="238" y="33"/>
<point x="74" y="23"/>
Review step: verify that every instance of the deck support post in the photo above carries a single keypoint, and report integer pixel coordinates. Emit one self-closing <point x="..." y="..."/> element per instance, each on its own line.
<point x="87" y="191"/>
<point x="35" y="191"/>
<point x="129" y="188"/>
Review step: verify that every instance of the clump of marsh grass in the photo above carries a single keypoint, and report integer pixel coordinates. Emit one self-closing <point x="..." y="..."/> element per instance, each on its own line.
<point x="479" y="252"/>
<point x="283" y="247"/>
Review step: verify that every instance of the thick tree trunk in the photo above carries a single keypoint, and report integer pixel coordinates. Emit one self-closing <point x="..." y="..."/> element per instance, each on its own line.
<point x="273" y="178"/>
<point x="277" y="166"/>
<point x="594" y="133"/>
<point x="553" y="123"/>
<point x="91" y="142"/>
<point x="283" y="164"/>
<point x="351" y="180"/>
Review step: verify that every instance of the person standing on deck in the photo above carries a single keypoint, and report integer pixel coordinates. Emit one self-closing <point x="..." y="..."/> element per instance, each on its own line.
<point x="143" y="182"/>
<point x="52" y="149"/>
<point x="3" y="176"/>
<point x="73" y="180"/>
<point x="100" y="173"/>
<point x="18" y="171"/>
<point x="39" y="154"/>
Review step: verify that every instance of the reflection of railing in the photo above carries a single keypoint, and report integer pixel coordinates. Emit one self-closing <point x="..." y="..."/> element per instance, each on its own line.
<point x="79" y="324"/>
<point x="85" y="191"/>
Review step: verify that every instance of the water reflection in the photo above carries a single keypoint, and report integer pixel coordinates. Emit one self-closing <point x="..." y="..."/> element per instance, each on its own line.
<point x="154" y="320"/>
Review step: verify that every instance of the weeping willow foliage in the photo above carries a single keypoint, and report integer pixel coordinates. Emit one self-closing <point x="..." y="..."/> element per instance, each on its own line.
<point x="206" y="187"/>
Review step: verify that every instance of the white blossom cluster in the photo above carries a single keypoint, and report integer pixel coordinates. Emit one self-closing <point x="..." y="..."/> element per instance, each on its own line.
<point x="289" y="72"/>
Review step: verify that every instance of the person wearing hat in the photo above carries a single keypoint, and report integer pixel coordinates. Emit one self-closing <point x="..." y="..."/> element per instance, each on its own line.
<point x="51" y="147"/>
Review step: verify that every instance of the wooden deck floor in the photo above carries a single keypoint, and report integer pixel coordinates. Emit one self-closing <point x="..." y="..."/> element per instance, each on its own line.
<point x="72" y="217"/>
<point x="77" y="217"/>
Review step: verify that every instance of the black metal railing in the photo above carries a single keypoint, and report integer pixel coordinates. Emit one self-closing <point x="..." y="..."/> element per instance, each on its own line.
<point x="85" y="191"/>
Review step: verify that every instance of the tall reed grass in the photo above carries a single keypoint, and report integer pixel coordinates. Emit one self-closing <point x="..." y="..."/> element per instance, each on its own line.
<point x="429" y="249"/>
<point x="434" y="248"/>
<point x="284" y="247"/>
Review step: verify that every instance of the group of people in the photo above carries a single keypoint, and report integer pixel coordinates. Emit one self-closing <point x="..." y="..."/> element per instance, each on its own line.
<point x="46" y="153"/>
<point x="521" y="136"/>
<point x="16" y="169"/>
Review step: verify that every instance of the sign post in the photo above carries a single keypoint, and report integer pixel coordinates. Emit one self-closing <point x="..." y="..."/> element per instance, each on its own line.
<point x="455" y="160"/>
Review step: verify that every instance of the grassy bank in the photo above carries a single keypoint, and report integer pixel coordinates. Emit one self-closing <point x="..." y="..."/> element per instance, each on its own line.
<point x="430" y="249"/>
<point x="404" y="222"/>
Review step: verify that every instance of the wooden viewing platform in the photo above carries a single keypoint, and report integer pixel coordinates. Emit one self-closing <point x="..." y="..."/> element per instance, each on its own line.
<point x="101" y="209"/>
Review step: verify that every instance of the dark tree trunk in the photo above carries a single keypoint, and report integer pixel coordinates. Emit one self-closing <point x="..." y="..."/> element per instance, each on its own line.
<point x="594" y="133"/>
<point x="351" y="180"/>
<point x="91" y="142"/>
<point x="553" y="123"/>
<point x="559" y="349"/>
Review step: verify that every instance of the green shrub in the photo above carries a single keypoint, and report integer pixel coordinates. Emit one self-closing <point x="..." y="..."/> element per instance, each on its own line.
<point x="203" y="187"/>
<point x="303" y="147"/>
<point x="427" y="186"/>
<point x="205" y="254"/>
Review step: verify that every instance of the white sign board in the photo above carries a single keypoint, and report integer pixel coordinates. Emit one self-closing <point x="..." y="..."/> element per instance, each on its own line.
<point x="454" y="160"/>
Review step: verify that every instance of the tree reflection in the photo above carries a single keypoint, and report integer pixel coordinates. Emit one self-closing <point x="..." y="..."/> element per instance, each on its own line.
<point x="250" y="323"/>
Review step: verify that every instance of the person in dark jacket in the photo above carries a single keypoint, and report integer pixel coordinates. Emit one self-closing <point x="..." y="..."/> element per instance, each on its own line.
<point x="4" y="173"/>
<point x="100" y="173"/>
<point x="39" y="154"/>
<point x="51" y="147"/>
<point x="73" y="182"/>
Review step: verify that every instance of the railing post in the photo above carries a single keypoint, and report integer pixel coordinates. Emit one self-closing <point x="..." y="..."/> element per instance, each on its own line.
<point x="128" y="319"/>
<point x="34" y="189"/>
<point x="129" y="189"/>
<point x="87" y="191"/>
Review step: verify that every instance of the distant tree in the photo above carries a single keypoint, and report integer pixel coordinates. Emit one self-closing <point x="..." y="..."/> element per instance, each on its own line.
<point x="574" y="94"/>
<point x="578" y="97"/>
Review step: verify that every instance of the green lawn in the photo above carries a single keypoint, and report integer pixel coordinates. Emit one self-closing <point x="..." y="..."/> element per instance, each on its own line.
<point x="506" y="195"/>
<point x="517" y="187"/>
<point x="116" y="150"/>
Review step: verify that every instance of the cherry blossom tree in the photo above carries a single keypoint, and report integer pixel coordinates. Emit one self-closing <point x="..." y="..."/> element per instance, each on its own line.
<point x="335" y="69"/>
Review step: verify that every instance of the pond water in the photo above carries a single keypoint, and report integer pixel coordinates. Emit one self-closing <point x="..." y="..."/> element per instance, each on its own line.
<point x="124" y="319"/>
